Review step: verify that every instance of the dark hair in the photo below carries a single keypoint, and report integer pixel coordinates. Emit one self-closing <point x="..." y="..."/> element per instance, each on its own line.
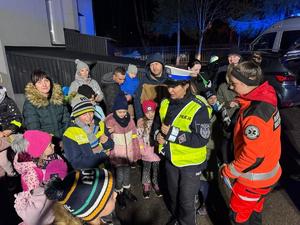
<point x="193" y="62"/>
<point x="251" y="71"/>
<point x="119" y="69"/>
<point x="39" y="75"/>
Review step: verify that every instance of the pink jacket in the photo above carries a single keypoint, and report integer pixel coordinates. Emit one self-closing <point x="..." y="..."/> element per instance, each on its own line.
<point x="126" y="145"/>
<point x="147" y="151"/>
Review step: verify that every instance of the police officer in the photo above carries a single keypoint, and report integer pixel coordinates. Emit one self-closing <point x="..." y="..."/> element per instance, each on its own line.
<point x="182" y="135"/>
<point x="257" y="144"/>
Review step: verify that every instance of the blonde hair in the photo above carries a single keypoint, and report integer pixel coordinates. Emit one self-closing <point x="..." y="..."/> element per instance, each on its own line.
<point x="63" y="217"/>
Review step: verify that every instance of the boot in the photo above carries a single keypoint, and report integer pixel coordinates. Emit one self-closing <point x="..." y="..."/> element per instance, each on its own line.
<point x="157" y="191"/>
<point x="129" y="195"/>
<point x="121" y="200"/>
<point x="146" y="190"/>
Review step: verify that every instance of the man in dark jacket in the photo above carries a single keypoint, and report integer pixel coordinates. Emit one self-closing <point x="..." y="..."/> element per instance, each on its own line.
<point x="151" y="85"/>
<point x="111" y="86"/>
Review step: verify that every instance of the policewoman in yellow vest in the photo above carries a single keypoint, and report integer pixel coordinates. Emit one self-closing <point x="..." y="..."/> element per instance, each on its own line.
<point x="182" y="134"/>
<point x="86" y="141"/>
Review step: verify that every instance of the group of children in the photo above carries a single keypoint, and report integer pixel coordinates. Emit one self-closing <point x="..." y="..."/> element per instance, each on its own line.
<point x="38" y="164"/>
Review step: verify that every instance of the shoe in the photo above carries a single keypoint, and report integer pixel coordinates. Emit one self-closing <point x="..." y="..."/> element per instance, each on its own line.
<point x="146" y="191"/>
<point x="202" y="211"/>
<point x="157" y="191"/>
<point x="129" y="195"/>
<point x="121" y="200"/>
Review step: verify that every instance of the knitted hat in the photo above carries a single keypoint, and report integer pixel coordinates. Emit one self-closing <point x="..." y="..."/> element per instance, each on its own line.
<point x="120" y="102"/>
<point x="34" y="142"/>
<point x="86" y="91"/>
<point x="148" y="105"/>
<point x="80" y="105"/>
<point x="132" y="69"/>
<point x="208" y="93"/>
<point x="80" y="65"/>
<point x="84" y="193"/>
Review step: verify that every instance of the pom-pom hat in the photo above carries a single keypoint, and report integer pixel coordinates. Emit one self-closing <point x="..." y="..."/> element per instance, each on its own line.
<point x="80" y="105"/>
<point x="149" y="105"/>
<point x="84" y="193"/>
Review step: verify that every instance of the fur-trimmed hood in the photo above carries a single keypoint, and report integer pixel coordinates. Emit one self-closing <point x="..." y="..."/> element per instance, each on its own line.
<point x="38" y="100"/>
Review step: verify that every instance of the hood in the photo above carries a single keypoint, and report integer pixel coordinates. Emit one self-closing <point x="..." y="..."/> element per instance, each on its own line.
<point x="264" y="93"/>
<point x="38" y="100"/>
<point x="155" y="58"/>
<point x="23" y="167"/>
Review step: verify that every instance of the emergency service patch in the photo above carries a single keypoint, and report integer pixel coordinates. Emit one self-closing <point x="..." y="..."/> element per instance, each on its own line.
<point x="182" y="138"/>
<point x="252" y="132"/>
<point x="277" y="120"/>
<point x="204" y="130"/>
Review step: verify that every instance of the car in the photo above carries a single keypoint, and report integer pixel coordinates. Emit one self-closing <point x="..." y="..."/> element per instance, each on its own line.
<point x="284" y="80"/>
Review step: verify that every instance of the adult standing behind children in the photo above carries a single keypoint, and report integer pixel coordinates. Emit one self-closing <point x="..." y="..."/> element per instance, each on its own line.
<point x="257" y="146"/>
<point x="86" y="142"/>
<point x="44" y="107"/>
<point x="150" y="85"/>
<point x="82" y="76"/>
<point x="112" y="86"/>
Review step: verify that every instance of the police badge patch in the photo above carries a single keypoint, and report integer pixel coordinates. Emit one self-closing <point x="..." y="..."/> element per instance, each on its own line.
<point x="252" y="132"/>
<point x="182" y="138"/>
<point x="204" y="130"/>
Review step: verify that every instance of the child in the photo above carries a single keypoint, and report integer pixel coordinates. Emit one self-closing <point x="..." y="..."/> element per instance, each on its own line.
<point x="126" y="149"/>
<point x="129" y="86"/>
<point x="149" y="158"/>
<point x="10" y="123"/>
<point x="88" y="92"/>
<point x="37" y="163"/>
<point x="86" y="194"/>
<point x="82" y="77"/>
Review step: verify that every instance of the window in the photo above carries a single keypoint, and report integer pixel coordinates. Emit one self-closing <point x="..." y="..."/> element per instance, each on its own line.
<point x="266" y="41"/>
<point x="289" y="38"/>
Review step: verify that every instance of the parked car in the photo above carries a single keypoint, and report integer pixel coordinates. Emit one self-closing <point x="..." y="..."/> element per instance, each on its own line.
<point x="279" y="37"/>
<point x="285" y="81"/>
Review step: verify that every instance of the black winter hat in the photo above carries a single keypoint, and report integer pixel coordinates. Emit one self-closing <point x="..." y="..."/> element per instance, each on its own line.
<point x="234" y="50"/>
<point x="120" y="102"/>
<point x="208" y="93"/>
<point x="86" y="91"/>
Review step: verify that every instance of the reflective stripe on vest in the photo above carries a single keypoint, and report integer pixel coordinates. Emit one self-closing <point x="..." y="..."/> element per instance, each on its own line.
<point x="255" y="176"/>
<point x="182" y="155"/>
<point x="78" y="135"/>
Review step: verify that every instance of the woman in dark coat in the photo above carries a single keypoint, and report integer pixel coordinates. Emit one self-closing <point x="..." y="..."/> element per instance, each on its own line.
<point x="44" y="107"/>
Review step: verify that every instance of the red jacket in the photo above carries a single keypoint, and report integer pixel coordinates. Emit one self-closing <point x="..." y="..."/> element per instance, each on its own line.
<point x="256" y="139"/>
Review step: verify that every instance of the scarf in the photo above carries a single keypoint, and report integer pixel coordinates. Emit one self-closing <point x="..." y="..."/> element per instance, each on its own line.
<point x="122" y="122"/>
<point x="90" y="131"/>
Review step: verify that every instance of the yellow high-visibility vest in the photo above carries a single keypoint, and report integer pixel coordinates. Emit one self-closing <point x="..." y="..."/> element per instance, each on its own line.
<point x="182" y="155"/>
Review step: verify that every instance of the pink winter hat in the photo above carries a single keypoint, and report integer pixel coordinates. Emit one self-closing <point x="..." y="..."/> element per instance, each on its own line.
<point x="56" y="167"/>
<point x="38" y="141"/>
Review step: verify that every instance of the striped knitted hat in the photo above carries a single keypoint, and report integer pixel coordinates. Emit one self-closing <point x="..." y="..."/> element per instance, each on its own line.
<point x="84" y="193"/>
<point x="80" y="105"/>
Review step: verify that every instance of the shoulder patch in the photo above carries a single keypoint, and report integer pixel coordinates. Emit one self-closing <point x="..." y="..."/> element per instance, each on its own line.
<point x="277" y="120"/>
<point x="262" y="110"/>
<point x="252" y="132"/>
<point x="205" y="130"/>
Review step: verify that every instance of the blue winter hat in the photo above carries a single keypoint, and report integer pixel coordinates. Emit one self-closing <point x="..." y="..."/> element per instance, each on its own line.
<point x="120" y="102"/>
